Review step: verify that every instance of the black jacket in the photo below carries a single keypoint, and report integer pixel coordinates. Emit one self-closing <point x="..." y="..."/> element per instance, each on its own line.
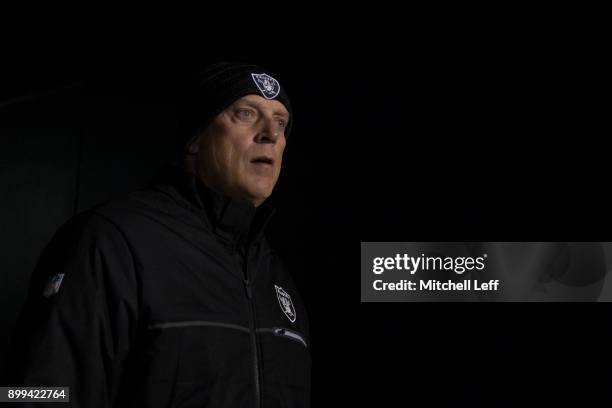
<point x="167" y="296"/>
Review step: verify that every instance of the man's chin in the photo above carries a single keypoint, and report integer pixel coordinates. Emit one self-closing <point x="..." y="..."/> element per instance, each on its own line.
<point x="257" y="196"/>
<point x="257" y="201"/>
<point x="259" y="187"/>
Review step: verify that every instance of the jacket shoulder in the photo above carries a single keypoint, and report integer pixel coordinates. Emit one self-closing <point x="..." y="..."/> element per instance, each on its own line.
<point x="130" y="210"/>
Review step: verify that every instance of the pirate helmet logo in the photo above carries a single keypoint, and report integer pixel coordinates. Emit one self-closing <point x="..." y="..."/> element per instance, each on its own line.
<point x="268" y="86"/>
<point x="286" y="305"/>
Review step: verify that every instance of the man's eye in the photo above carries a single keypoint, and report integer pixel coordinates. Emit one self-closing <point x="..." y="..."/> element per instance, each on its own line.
<point x="282" y="123"/>
<point x="244" y="113"/>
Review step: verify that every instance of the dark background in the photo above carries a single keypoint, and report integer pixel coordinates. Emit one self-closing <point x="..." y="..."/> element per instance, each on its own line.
<point x="452" y="141"/>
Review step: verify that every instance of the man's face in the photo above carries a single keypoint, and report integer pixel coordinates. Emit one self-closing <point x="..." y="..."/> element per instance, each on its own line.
<point x="241" y="151"/>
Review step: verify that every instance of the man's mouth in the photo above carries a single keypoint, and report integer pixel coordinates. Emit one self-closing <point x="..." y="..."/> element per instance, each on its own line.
<point x="263" y="160"/>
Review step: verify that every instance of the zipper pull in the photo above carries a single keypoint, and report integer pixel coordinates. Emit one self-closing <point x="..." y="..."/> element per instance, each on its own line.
<point x="247" y="287"/>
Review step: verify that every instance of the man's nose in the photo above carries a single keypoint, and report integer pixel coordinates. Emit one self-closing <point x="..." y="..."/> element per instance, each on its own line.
<point x="269" y="131"/>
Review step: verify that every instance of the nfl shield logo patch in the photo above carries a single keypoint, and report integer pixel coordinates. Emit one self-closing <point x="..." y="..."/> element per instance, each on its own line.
<point x="268" y="86"/>
<point x="53" y="284"/>
<point x="286" y="305"/>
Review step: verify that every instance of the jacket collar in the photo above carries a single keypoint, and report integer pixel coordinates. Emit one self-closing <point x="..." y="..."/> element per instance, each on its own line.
<point x="232" y="219"/>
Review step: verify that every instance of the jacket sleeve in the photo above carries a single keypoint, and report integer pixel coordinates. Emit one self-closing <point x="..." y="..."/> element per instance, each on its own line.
<point x="78" y="333"/>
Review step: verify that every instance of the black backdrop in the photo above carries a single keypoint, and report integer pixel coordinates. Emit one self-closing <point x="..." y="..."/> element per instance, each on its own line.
<point x="441" y="143"/>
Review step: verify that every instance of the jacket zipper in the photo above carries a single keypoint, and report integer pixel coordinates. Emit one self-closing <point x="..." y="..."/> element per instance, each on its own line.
<point x="278" y="331"/>
<point x="254" y="346"/>
<point x="286" y="333"/>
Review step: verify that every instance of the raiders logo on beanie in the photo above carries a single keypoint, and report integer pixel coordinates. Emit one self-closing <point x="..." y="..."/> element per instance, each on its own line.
<point x="211" y="91"/>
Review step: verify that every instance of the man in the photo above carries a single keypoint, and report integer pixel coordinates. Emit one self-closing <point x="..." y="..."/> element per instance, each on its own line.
<point x="171" y="295"/>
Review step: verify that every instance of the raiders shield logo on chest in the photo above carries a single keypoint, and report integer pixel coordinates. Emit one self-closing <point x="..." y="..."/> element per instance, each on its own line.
<point x="286" y="305"/>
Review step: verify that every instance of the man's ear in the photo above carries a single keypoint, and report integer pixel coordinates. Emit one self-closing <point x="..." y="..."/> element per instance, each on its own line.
<point x="194" y="146"/>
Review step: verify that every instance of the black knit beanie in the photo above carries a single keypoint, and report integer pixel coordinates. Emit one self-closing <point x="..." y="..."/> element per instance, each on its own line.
<point x="211" y="91"/>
